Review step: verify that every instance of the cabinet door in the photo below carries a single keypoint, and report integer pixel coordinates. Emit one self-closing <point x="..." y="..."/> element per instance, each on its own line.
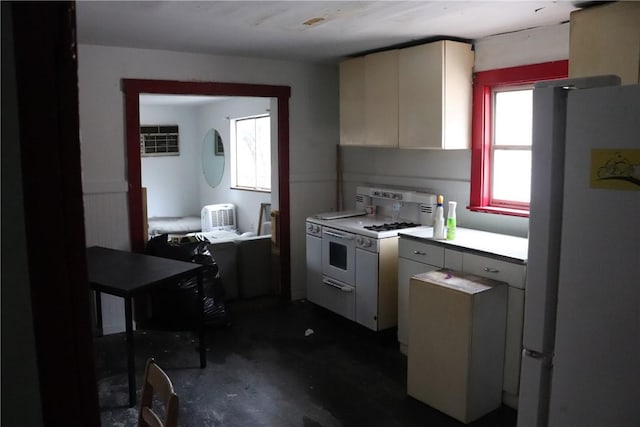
<point x="435" y="86"/>
<point x="406" y="269"/>
<point x="367" y="289"/>
<point x="420" y="84"/>
<point x="381" y="99"/>
<point x="605" y="40"/>
<point x="352" y="101"/>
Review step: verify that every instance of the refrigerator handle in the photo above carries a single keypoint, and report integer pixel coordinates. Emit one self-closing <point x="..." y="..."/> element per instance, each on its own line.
<point x="547" y="360"/>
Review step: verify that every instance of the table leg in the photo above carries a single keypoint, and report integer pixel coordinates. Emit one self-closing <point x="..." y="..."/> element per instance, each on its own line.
<point x="131" y="356"/>
<point x="201" y="338"/>
<point x="98" y="301"/>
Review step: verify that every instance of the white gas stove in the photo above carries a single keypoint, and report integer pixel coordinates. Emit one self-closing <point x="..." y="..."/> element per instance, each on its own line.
<point x="377" y="227"/>
<point x="352" y="256"/>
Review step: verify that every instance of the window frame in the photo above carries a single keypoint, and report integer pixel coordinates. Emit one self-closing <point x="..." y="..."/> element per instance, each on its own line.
<point x="234" y="155"/>
<point x="485" y="82"/>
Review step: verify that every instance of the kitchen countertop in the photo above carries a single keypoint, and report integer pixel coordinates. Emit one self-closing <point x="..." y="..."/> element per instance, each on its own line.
<point x="482" y="242"/>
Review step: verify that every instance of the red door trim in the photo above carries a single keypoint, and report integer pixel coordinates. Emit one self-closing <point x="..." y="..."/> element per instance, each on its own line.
<point x="132" y="89"/>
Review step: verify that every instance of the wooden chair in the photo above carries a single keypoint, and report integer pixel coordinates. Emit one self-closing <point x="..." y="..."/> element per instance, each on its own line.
<point x="157" y="384"/>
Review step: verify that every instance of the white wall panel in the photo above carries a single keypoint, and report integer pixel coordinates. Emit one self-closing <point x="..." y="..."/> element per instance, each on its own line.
<point x="107" y="224"/>
<point x="522" y="47"/>
<point x="173" y="181"/>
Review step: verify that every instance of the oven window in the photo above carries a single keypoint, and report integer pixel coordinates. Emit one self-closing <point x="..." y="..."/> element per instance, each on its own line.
<point x="338" y="255"/>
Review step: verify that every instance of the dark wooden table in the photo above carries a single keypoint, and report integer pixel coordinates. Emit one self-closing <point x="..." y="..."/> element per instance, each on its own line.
<point x="127" y="274"/>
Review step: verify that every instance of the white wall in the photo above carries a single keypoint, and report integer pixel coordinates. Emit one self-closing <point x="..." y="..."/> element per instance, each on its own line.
<point x="449" y="172"/>
<point x="313" y="134"/>
<point x="173" y="182"/>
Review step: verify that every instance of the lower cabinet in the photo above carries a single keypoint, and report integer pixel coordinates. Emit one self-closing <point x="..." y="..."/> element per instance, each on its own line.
<point x="435" y="256"/>
<point x="414" y="257"/>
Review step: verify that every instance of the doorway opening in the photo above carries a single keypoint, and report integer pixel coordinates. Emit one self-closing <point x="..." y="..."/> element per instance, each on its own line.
<point x="133" y="88"/>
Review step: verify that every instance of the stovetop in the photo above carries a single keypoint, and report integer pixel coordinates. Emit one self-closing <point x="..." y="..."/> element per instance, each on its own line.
<point x="379" y="227"/>
<point x="391" y="226"/>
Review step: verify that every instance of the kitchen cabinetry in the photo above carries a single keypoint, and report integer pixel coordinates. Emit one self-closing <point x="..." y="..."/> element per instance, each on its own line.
<point x="352" y="101"/>
<point x="416" y="97"/>
<point x="434" y="93"/>
<point x="381" y="99"/>
<point x="461" y="256"/>
<point x="413" y="258"/>
<point x="376" y="288"/>
<point x="369" y="100"/>
<point x="605" y="39"/>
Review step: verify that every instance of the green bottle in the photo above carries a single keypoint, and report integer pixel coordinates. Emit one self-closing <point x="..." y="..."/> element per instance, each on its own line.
<point x="451" y="221"/>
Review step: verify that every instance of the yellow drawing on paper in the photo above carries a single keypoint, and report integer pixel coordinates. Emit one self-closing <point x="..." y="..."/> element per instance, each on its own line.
<point x="615" y="169"/>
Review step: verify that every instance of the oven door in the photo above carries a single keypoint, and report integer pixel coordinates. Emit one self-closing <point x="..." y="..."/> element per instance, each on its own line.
<point x="337" y="297"/>
<point x="339" y="255"/>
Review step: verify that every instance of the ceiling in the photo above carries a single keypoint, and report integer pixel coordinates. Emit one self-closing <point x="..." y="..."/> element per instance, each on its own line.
<point x="309" y="31"/>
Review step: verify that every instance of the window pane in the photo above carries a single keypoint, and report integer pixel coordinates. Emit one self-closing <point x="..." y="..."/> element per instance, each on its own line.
<point x="512" y="175"/>
<point x="263" y="153"/>
<point x="513" y="117"/>
<point x="245" y="153"/>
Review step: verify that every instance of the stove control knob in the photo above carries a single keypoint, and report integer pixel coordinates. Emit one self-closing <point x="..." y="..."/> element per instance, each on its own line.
<point x="365" y="243"/>
<point x="359" y="240"/>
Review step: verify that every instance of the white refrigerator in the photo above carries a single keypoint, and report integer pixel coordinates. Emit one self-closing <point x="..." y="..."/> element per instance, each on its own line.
<point x="581" y="358"/>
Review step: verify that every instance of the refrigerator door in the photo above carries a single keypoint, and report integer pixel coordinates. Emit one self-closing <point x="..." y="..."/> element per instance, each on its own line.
<point x="545" y="225"/>
<point x="547" y="164"/>
<point x="596" y="369"/>
<point x="533" y="408"/>
<point x="545" y="215"/>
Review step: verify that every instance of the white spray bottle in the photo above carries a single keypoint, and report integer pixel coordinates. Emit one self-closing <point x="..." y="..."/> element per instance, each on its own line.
<point x="438" y="222"/>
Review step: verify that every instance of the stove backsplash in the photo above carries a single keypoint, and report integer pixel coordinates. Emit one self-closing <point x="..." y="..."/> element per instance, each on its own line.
<point x="398" y="205"/>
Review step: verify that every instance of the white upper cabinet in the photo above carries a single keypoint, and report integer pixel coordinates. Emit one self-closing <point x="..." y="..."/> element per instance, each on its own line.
<point x="381" y="99"/>
<point x="352" y="101"/>
<point x="435" y="87"/>
<point x="605" y="39"/>
<point x="417" y="97"/>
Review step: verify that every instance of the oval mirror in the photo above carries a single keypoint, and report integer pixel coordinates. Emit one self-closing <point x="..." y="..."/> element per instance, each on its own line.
<point x="212" y="157"/>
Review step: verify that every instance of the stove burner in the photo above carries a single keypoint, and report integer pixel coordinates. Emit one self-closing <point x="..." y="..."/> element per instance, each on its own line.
<point x="391" y="226"/>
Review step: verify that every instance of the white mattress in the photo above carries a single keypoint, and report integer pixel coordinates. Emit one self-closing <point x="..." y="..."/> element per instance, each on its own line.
<point x="173" y="225"/>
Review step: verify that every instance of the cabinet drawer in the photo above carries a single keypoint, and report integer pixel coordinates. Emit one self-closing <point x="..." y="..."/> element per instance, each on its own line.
<point x="421" y="252"/>
<point x="453" y="259"/>
<point x="513" y="274"/>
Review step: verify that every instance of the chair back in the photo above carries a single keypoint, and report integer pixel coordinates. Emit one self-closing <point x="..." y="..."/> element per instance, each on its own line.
<point x="157" y="387"/>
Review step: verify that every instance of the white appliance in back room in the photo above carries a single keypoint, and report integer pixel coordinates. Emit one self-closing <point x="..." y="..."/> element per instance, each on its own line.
<point x="581" y="359"/>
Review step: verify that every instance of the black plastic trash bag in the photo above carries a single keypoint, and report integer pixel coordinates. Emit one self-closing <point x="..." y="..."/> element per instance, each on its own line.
<point x="173" y="305"/>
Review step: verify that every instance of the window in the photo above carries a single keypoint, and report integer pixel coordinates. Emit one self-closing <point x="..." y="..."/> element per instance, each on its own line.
<point x="501" y="146"/>
<point x="251" y="153"/>
<point x="159" y="140"/>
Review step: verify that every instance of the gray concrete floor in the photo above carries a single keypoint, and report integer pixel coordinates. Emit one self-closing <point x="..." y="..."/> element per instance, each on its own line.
<point x="264" y="370"/>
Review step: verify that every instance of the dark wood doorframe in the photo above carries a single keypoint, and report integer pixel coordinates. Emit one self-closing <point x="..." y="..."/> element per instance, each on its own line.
<point x="46" y="84"/>
<point x="132" y="89"/>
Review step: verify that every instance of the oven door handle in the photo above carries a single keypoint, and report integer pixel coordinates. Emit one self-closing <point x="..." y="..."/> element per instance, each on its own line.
<point x="337" y="285"/>
<point x="338" y="235"/>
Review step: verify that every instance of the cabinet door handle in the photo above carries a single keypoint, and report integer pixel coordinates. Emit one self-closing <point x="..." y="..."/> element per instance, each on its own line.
<point x="419" y="253"/>
<point x="491" y="270"/>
